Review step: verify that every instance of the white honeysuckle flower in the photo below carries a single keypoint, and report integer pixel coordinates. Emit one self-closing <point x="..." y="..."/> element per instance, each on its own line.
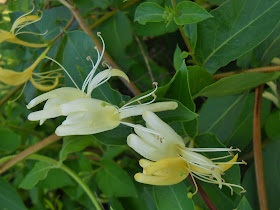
<point x="86" y="115"/>
<point x="160" y="142"/>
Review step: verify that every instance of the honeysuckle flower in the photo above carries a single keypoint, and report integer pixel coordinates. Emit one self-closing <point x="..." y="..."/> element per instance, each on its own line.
<point x="86" y="115"/>
<point x="11" y="77"/>
<point x="163" y="143"/>
<point x="167" y="171"/>
<point x="18" y="25"/>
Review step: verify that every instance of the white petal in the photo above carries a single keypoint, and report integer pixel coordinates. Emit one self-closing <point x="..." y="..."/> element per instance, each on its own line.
<point x="162" y="128"/>
<point x="155" y="107"/>
<point x="141" y="147"/>
<point x="147" y="137"/>
<point x="67" y="93"/>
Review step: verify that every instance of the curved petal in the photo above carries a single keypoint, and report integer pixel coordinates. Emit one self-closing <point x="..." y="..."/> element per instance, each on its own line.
<point x="162" y="128"/>
<point x="228" y="165"/>
<point x="155" y="107"/>
<point x="24" y="19"/>
<point x="10" y="77"/>
<point x="66" y="94"/>
<point x="44" y="87"/>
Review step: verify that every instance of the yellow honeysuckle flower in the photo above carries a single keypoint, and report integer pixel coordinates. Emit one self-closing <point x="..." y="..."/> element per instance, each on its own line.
<point x="86" y="115"/>
<point x="167" y="171"/>
<point x="163" y="143"/>
<point x="11" y="77"/>
<point x="18" y="25"/>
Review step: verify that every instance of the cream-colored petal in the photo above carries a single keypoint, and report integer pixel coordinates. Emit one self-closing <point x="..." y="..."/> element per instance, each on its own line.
<point x="162" y="128"/>
<point x="144" y="163"/>
<point x="103" y="75"/>
<point x="44" y="114"/>
<point x="155" y="107"/>
<point x="147" y="137"/>
<point x="65" y="93"/>
<point x="141" y="147"/>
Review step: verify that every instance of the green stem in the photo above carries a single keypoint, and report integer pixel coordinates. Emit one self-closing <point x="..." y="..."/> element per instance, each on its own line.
<point x="67" y="170"/>
<point x="191" y="51"/>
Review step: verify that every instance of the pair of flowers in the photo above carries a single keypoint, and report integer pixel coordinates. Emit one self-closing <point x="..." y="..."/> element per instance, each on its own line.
<point x="167" y="161"/>
<point x="40" y="80"/>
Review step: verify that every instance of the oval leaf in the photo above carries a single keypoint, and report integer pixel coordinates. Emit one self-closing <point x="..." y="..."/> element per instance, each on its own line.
<point x="149" y="12"/>
<point x="189" y="12"/>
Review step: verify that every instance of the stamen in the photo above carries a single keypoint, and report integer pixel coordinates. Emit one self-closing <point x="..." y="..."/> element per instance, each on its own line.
<point x="140" y="128"/>
<point x="223" y="157"/>
<point x="190" y="195"/>
<point x="63" y="70"/>
<point x="213" y="149"/>
<point x="127" y="107"/>
<point x="21" y="92"/>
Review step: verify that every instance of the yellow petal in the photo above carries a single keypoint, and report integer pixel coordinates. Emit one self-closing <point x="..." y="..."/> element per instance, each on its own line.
<point x="44" y="87"/>
<point x="10" y="77"/>
<point x="167" y="171"/>
<point x="5" y="35"/>
<point x="119" y="73"/>
<point x="24" y="43"/>
<point x="24" y="19"/>
<point x="228" y="166"/>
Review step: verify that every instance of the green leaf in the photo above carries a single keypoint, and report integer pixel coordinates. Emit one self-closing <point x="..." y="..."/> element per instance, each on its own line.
<point x="218" y="115"/>
<point x="241" y="136"/>
<point x="114" y="181"/>
<point x="149" y="12"/>
<point x="74" y="144"/>
<point x="56" y="179"/>
<point x="117" y="136"/>
<point x="237" y="84"/>
<point x="154" y="29"/>
<point x="117" y="34"/>
<point x="9" y="141"/>
<point x="272" y="125"/>
<point x="244" y="204"/>
<point x="38" y="173"/>
<point x="190" y="31"/>
<point x="269" y="48"/>
<point x="172" y="197"/>
<point x="271" y="169"/>
<point x="9" y="198"/>
<point x="237" y="27"/>
<point x="189" y="12"/>
<point x="199" y="78"/>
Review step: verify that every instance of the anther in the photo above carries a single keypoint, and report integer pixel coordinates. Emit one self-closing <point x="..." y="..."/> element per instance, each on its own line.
<point x="243" y="191"/>
<point x="222" y="173"/>
<point x="155" y="83"/>
<point x="239" y="150"/>
<point x="96" y="48"/>
<point x="139" y="102"/>
<point x="244" y="162"/>
<point x="98" y="33"/>
<point x="231" y="153"/>
<point x="88" y="58"/>
<point x="231" y="191"/>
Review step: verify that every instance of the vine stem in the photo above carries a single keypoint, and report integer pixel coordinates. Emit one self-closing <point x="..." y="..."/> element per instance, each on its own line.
<point x="29" y="151"/>
<point x="203" y="195"/>
<point x="191" y="51"/>
<point x="266" y="69"/>
<point x="145" y="58"/>
<point x="68" y="171"/>
<point x="257" y="147"/>
<point x="130" y="85"/>
<point x="110" y="14"/>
